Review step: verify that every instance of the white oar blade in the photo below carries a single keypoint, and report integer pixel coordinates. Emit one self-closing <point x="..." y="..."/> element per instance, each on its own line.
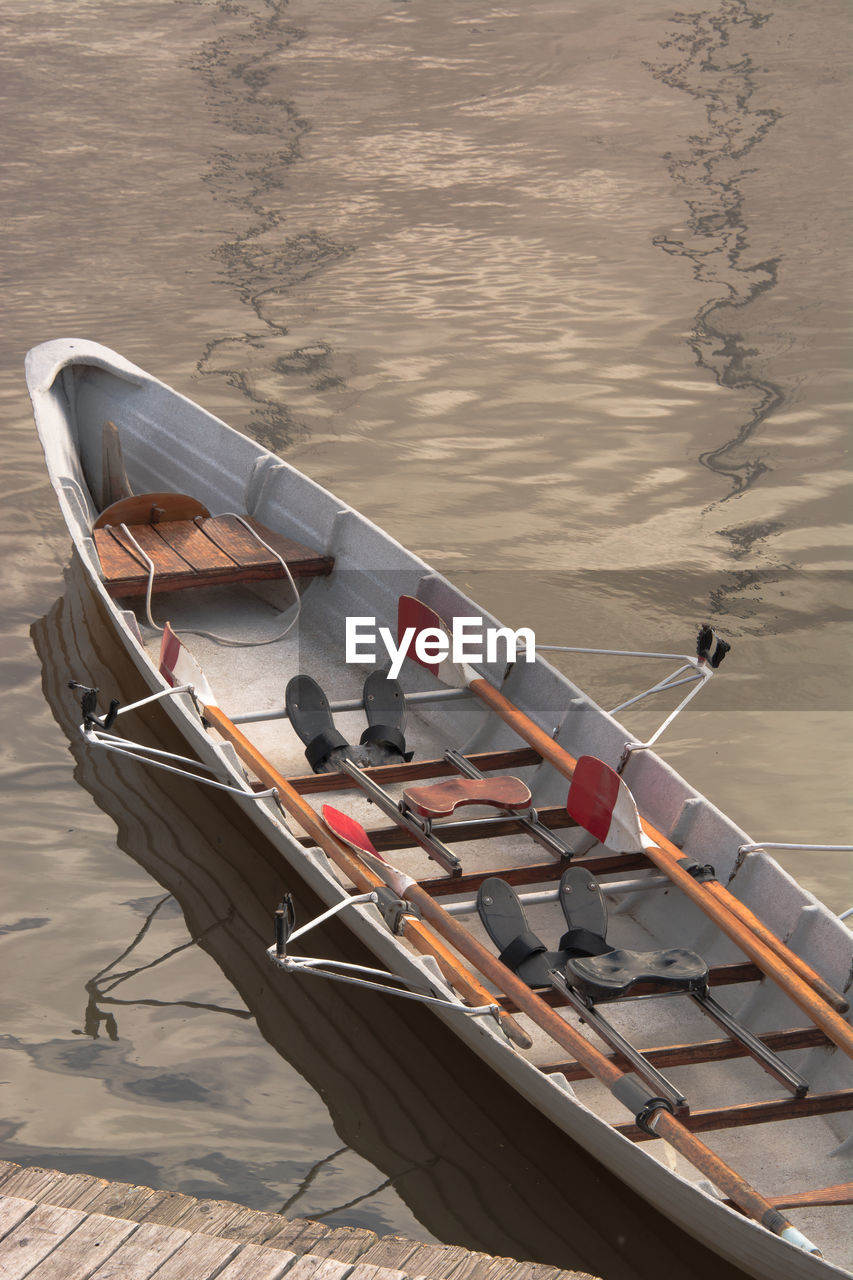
<point x="425" y="636"/>
<point x="603" y="805"/>
<point x="178" y="666"/>
<point x="351" y="832"/>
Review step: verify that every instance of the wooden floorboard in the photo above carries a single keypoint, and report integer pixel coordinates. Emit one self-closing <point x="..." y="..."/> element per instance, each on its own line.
<point x="682" y="1055"/>
<point x="58" y="1226"/>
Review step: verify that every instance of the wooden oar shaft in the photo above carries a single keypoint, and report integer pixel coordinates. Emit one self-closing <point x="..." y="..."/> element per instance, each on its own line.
<point x="775" y="959"/>
<point x="422" y="937"/>
<point x="666" y="1125"/>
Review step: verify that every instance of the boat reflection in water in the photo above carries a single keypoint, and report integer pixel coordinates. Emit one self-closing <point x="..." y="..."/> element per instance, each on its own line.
<point x="476" y="1165"/>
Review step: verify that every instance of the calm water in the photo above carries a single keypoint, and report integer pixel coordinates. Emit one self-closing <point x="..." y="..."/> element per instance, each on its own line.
<point x="556" y="294"/>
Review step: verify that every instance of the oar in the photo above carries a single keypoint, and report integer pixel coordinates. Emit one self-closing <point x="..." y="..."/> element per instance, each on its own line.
<point x="774" y="959"/>
<point x="625" y="1087"/>
<point x="178" y="666"/>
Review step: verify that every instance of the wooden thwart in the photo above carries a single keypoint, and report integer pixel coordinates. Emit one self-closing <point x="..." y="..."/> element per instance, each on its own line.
<point x="744" y="1113"/>
<point x="553" y="817"/>
<point x="487" y="761"/>
<point x="695" y="1053"/>
<point x="840" y="1193"/>
<point x="194" y="552"/>
<point x="527" y="874"/>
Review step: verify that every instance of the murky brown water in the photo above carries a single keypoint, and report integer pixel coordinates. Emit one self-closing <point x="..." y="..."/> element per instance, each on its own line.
<point x="557" y="295"/>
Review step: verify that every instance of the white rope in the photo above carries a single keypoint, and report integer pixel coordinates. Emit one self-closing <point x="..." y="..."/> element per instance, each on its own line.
<point x="211" y="635"/>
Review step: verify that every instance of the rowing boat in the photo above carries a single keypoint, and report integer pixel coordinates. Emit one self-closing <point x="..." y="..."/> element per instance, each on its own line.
<point x="515" y="816"/>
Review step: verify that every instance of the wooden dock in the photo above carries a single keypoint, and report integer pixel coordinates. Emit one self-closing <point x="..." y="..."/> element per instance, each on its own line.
<point x="59" y="1226"/>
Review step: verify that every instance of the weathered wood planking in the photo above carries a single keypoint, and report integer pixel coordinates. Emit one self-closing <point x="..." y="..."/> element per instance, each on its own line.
<point x="85" y="1244"/>
<point x="57" y="1226"/>
<point x="199" y="553"/>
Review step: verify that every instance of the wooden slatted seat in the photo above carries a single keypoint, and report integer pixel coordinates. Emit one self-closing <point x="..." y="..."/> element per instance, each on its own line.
<point x="191" y="548"/>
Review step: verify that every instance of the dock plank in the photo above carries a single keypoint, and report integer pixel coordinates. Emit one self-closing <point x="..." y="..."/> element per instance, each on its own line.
<point x="167" y="1208"/>
<point x="12" y="1211"/>
<point x="371" y="1271"/>
<point x="79" y="1254"/>
<point x="312" y="1267"/>
<point x="119" y="1200"/>
<point x="198" y="1258"/>
<point x="31" y="1184"/>
<point x="79" y="1191"/>
<point x="305" y="1236"/>
<point x="315" y="1238"/>
<point x="256" y="1226"/>
<point x="35" y="1237"/>
<point x="43" y="1235"/>
<point x="141" y="1253"/>
<point x="428" y="1261"/>
<point x="213" y="1217"/>
<point x="470" y="1265"/>
<point x="254" y="1262"/>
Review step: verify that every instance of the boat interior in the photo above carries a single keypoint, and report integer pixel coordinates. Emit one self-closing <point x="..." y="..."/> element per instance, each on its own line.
<point x="258" y="601"/>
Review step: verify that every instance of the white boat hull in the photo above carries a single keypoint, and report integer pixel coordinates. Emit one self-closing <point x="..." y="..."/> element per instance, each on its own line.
<point x="171" y="443"/>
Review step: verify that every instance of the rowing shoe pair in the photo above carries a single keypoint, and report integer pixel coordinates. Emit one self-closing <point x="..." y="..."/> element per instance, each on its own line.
<point x="382" y="741"/>
<point x="584" y="957"/>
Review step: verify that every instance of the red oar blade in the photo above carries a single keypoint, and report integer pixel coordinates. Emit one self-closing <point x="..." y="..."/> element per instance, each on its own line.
<point x="600" y="801"/>
<point x="351" y="832"/>
<point x="423" y="633"/>
<point x="414" y="616"/>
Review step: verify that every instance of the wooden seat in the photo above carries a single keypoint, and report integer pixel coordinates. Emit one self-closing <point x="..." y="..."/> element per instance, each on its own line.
<point x="190" y="548"/>
<point x="439" y="799"/>
<point x="151" y="508"/>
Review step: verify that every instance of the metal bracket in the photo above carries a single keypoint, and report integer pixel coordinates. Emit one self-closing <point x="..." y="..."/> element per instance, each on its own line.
<point x="698" y="870"/>
<point x="394" y="909"/>
<point x="359" y="975"/>
<point x="95" y="729"/>
<point x="88" y="706"/>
